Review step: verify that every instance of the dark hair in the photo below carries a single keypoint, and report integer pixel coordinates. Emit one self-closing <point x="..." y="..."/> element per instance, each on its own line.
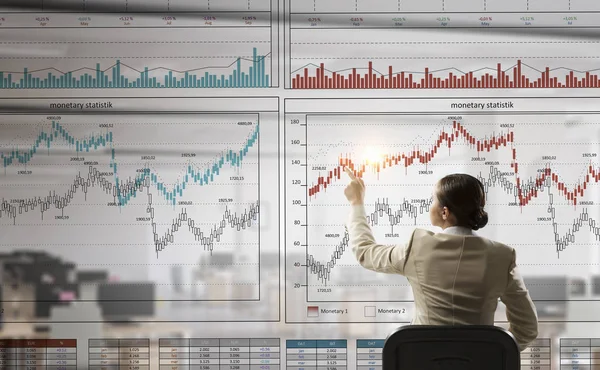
<point x="464" y="196"/>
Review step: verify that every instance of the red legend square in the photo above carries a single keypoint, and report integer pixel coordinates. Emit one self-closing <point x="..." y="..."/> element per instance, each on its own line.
<point x="312" y="311"/>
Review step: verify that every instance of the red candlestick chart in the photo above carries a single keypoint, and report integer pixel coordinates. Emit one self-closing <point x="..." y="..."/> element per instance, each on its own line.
<point x="541" y="179"/>
<point x="429" y="59"/>
<point x="456" y="133"/>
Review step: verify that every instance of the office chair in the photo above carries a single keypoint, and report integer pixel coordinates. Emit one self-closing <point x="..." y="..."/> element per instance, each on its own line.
<point x="470" y="347"/>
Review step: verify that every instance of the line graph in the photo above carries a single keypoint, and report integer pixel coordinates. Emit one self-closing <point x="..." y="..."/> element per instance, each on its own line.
<point x="433" y="59"/>
<point x="143" y="194"/>
<point x="541" y="198"/>
<point x="149" y="59"/>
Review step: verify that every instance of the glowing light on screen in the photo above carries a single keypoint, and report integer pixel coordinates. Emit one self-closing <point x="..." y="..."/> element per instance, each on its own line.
<point x="372" y="155"/>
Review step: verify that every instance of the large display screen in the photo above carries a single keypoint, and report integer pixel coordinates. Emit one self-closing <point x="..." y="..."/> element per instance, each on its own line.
<point x="172" y="184"/>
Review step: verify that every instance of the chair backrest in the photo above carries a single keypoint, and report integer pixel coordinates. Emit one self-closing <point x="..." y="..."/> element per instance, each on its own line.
<point x="472" y="347"/>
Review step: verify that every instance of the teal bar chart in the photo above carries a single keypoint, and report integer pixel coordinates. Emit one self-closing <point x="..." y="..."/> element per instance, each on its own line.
<point x="150" y="59"/>
<point x="243" y="73"/>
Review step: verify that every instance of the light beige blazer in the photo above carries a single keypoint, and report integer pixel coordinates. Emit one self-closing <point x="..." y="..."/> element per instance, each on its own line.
<point x="456" y="276"/>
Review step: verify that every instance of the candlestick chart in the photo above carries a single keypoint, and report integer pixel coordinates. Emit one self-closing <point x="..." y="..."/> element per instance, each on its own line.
<point x="136" y="194"/>
<point x="145" y="59"/>
<point x="541" y="196"/>
<point x="409" y="59"/>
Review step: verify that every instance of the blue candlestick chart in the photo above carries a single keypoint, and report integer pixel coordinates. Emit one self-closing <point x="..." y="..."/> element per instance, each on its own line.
<point x="80" y="176"/>
<point x="125" y="193"/>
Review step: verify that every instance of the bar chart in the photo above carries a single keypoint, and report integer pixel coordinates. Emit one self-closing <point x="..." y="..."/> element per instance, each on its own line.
<point x="115" y="77"/>
<point x="318" y="78"/>
<point x="145" y="58"/>
<point x="433" y="59"/>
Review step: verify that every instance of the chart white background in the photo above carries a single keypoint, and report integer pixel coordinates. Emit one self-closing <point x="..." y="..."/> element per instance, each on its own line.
<point x="211" y="36"/>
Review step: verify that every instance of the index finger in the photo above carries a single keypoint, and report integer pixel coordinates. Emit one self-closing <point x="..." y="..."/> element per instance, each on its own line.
<point x="350" y="173"/>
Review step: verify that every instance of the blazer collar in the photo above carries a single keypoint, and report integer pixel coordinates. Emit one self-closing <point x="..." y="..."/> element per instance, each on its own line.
<point x="458" y="230"/>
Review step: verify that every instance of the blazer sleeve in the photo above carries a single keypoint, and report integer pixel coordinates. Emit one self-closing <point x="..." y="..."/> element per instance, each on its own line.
<point x="520" y="310"/>
<point x="376" y="257"/>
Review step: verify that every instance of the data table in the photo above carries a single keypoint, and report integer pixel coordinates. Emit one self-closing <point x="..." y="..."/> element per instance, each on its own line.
<point x="316" y="354"/>
<point x="220" y="354"/>
<point x="579" y="354"/>
<point x="30" y="354"/>
<point x="113" y="354"/>
<point x="369" y="354"/>
<point x="538" y="356"/>
<point x="535" y="357"/>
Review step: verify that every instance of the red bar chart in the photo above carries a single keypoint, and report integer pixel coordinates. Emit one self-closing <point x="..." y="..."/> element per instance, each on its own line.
<point x="433" y="59"/>
<point x="320" y="78"/>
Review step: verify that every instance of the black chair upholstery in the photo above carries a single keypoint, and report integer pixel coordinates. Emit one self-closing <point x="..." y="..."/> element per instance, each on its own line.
<point x="472" y="347"/>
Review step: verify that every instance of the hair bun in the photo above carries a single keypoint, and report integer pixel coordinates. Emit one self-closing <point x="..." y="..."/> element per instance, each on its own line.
<point x="464" y="196"/>
<point x="480" y="219"/>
